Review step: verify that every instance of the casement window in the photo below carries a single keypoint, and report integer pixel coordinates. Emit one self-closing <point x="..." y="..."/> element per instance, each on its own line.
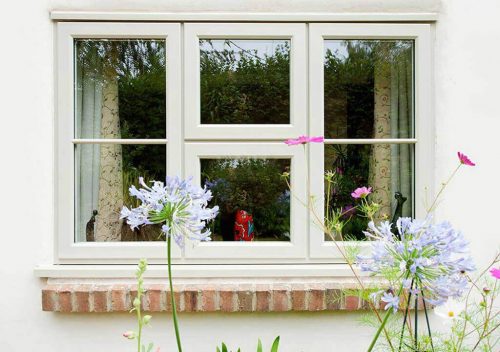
<point x="216" y="101"/>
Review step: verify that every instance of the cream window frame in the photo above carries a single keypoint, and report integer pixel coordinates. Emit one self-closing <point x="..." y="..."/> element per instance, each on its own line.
<point x="249" y="251"/>
<point x="69" y="251"/>
<point x="295" y="32"/>
<point x="423" y="116"/>
<point x="187" y="141"/>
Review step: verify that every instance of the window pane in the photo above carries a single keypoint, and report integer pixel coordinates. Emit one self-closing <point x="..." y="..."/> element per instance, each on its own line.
<point x="245" y="81"/>
<point x="254" y="200"/>
<point x="368" y="89"/>
<point x="120" y="88"/>
<point x="388" y="169"/>
<point x="104" y="173"/>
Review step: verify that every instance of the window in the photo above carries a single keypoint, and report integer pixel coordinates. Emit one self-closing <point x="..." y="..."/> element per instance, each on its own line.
<point x="215" y="101"/>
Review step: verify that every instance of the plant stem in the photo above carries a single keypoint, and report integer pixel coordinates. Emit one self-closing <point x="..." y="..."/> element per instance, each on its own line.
<point x="416" y="321"/>
<point x="139" y="323"/>
<point x="443" y="186"/>
<point x="405" y="316"/>
<point x="427" y="320"/>
<point x="172" y="296"/>
<point x="377" y="334"/>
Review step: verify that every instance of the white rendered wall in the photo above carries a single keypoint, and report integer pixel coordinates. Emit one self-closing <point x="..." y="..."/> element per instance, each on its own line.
<point x="467" y="104"/>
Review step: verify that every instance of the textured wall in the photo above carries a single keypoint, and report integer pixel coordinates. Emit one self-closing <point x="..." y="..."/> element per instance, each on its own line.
<point x="467" y="118"/>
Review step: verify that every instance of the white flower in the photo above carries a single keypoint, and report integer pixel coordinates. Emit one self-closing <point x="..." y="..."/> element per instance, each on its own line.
<point x="450" y="310"/>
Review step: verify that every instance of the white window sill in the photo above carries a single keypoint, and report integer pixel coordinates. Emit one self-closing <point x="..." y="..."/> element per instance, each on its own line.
<point x="65" y="271"/>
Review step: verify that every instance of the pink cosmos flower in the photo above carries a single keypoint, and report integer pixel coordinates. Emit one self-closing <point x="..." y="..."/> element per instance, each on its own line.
<point x="304" y="140"/>
<point x="361" y="192"/>
<point x="464" y="159"/>
<point x="495" y="273"/>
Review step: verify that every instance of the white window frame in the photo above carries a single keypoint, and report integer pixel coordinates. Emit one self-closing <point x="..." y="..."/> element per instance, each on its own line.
<point x="423" y="141"/>
<point x="67" y="249"/>
<point x="295" y="32"/>
<point x="189" y="140"/>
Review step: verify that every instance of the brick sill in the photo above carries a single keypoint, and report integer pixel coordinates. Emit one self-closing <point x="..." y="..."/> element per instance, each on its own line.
<point x="208" y="296"/>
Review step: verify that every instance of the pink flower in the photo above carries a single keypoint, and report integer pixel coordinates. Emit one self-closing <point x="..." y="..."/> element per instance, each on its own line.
<point x="129" y="335"/>
<point x="304" y="140"/>
<point x="464" y="159"/>
<point x="495" y="273"/>
<point x="361" y="192"/>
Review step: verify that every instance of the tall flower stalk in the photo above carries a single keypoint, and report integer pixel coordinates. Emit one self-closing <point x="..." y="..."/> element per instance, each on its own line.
<point x="182" y="210"/>
<point x="432" y="260"/>
<point x="142" y="321"/>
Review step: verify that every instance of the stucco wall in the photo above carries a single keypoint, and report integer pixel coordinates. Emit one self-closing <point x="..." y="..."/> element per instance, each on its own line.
<point x="467" y="118"/>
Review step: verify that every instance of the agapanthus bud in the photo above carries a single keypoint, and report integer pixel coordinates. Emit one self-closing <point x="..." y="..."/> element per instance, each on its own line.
<point x="129" y="335"/>
<point x="146" y="319"/>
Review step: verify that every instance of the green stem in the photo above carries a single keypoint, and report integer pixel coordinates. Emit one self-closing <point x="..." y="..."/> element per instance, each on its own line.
<point x="443" y="187"/>
<point x="172" y="296"/>
<point x="381" y="327"/>
<point x="139" y="321"/>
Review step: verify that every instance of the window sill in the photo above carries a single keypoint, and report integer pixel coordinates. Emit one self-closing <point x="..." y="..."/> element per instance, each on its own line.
<point x="203" y="288"/>
<point x="202" y="297"/>
<point x="182" y="271"/>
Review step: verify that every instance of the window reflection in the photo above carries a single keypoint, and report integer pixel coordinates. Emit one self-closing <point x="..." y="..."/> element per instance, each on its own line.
<point x="245" y="81"/>
<point x="253" y="199"/>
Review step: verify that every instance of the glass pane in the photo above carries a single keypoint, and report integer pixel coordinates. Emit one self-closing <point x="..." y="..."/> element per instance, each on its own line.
<point x="104" y="173"/>
<point x="245" y="81"/>
<point x="254" y="200"/>
<point x="368" y="89"/>
<point x="388" y="169"/>
<point x="120" y="88"/>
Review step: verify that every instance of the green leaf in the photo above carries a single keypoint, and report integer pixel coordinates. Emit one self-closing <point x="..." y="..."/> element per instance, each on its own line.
<point x="276" y="343"/>
<point x="224" y="347"/>
<point x="259" y="346"/>
<point x="218" y="349"/>
<point x="150" y="347"/>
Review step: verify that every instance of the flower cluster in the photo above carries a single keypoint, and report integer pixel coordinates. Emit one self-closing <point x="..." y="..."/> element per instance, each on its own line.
<point x="178" y="205"/>
<point x="428" y="257"/>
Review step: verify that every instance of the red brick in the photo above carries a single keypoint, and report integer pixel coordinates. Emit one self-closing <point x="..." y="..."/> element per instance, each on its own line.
<point x="82" y="295"/>
<point x="298" y="296"/>
<point x="333" y="298"/>
<point x="155" y="297"/>
<point x="226" y="300"/>
<point x="168" y="300"/>
<point x="263" y="298"/>
<point x="100" y="298"/>
<point x="245" y="299"/>
<point x="48" y="299"/>
<point x="119" y="299"/>
<point x="351" y="302"/>
<point x="65" y="305"/>
<point x="190" y="299"/>
<point x="316" y="299"/>
<point x="280" y="299"/>
<point x="208" y="299"/>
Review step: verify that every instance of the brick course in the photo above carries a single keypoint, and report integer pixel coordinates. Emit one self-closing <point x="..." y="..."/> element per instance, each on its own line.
<point x="278" y="297"/>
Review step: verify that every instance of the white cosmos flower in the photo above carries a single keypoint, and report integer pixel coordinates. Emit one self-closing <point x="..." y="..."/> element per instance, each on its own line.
<point x="450" y="310"/>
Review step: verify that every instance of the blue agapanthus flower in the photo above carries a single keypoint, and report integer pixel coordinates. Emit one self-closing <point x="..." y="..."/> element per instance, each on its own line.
<point x="432" y="257"/>
<point x="177" y="204"/>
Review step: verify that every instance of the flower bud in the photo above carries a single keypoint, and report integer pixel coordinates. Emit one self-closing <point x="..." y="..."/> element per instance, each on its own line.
<point x="129" y="335"/>
<point x="486" y="290"/>
<point x="146" y="319"/>
<point x="137" y="302"/>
